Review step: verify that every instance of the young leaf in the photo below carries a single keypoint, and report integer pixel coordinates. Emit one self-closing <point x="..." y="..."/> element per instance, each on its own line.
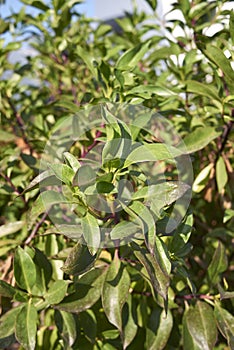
<point x="24" y="270"/>
<point x="221" y="174"/>
<point x="26" y="326"/>
<point x="115" y="292"/>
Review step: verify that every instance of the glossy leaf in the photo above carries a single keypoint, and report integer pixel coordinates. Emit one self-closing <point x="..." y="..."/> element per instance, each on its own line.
<point x="24" y="270"/>
<point x="115" y="292"/>
<point x="129" y="322"/>
<point x="79" y="260"/>
<point x="67" y="326"/>
<point x="158" y="329"/>
<point x="152" y="152"/>
<point x="56" y="292"/>
<point x="88" y="291"/>
<point x="124" y="229"/>
<point x="225" y="323"/>
<point x="159" y="277"/>
<point x="201" y="325"/>
<point x="91" y="232"/>
<point x="26" y="326"/>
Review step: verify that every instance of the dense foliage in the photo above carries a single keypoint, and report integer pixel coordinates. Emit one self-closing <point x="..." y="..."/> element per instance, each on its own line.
<point x="101" y="126"/>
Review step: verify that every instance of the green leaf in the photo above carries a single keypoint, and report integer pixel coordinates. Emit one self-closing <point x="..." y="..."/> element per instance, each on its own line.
<point x="159" y="277"/>
<point x="7" y="322"/>
<point x="115" y="292"/>
<point x="26" y="326"/>
<point x="24" y="270"/>
<point x="104" y="187"/>
<point x="79" y="260"/>
<point x="43" y="203"/>
<point x="132" y="57"/>
<point x="84" y="177"/>
<point x="124" y="229"/>
<point x="200" y="138"/>
<point x="73" y="232"/>
<point x="5" y="136"/>
<point x="231" y="26"/>
<point x="88" y="59"/>
<point x="71" y="161"/>
<point x="88" y="291"/>
<point x="67" y="326"/>
<point x="6" y="290"/>
<point x="152" y="3"/>
<point x="146" y="220"/>
<point x="225" y="323"/>
<point x="225" y="294"/>
<point x="202" y="90"/>
<point x="221" y="174"/>
<point x="152" y="152"/>
<point x="91" y="232"/>
<point x="218" y="264"/>
<point x="10" y="228"/>
<point x="63" y="172"/>
<point x="56" y="292"/>
<point x="89" y="325"/>
<point x="158" y="329"/>
<point x="202" y="179"/>
<point x="217" y="56"/>
<point x="41" y="179"/>
<point x="129" y="322"/>
<point x="201" y="325"/>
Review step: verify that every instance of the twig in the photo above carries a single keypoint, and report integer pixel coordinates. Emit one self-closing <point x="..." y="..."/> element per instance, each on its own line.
<point x="20" y="123"/>
<point x="15" y="189"/>
<point x="195" y="296"/>
<point x="36" y="228"/>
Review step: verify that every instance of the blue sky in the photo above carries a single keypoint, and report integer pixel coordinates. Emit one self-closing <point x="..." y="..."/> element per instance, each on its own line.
<point x="15" y="5"/>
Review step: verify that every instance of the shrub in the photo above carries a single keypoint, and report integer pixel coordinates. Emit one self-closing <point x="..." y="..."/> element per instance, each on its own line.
<point x="107" y="241"/>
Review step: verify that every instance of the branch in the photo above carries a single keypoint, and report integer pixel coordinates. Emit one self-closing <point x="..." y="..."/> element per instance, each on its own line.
<point x="36" y="228"/>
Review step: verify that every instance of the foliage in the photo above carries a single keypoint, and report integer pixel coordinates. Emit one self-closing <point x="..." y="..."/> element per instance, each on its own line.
<point x="62" y="286"/>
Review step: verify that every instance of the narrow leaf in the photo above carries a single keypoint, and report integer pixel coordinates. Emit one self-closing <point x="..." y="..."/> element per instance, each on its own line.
<point x="24" y="270"/>
<point x="26" y="326"/>
<point x="225" y="323"/>
<point x="115" y="292"/>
